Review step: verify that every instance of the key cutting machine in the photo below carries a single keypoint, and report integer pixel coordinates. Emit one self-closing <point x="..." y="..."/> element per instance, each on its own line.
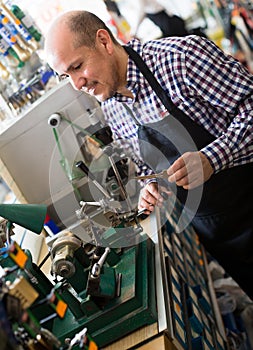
<point x="102" y="280"/>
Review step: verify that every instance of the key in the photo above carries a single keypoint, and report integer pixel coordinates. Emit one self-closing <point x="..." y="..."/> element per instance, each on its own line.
<point x="162" y="175"/>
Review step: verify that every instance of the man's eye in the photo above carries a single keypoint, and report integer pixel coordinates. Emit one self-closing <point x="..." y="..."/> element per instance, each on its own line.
<point x="78" y="67"/>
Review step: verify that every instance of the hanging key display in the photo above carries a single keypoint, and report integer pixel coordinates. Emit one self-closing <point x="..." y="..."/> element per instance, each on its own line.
<point x="20" y="28"/>
<point x="23" y="73"/>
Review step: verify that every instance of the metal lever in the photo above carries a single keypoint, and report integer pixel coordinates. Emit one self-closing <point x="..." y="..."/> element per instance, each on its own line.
<point x="95" y="271"/>
<point x="79" y="338"/>
<point x="91" y="176"/>
<point x="108" y="150"/>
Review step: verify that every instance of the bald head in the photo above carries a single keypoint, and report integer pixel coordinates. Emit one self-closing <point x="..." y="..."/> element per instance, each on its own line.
<point x="79" y="28"/>
<point x="81" y="47"/>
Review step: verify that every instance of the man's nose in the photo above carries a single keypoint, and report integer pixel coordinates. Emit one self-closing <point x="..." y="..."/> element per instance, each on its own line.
<point x="77" y="82"/>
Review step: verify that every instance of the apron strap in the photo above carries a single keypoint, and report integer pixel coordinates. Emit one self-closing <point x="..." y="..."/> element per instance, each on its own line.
<point x="151" y="79"/>
<point x="199" y="134"/>
<point x="131" y="114"/>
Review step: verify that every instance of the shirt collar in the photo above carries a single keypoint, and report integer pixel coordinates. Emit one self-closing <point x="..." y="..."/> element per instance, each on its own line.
<point x="134" y="77"/>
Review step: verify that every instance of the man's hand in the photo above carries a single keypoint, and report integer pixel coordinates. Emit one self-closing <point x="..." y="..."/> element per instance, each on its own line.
<point x="150" y="196"/>
<point x="190" y="170"/>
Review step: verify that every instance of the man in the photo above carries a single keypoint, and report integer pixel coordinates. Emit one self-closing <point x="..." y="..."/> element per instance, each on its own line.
<point x="212" y="107"/>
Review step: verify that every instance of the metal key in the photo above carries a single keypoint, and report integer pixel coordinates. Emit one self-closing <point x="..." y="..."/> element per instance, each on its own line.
<point x="162" y="175"/>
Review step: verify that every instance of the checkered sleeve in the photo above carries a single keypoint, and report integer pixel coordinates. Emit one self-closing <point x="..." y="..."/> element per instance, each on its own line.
<point x="226" y="85"/>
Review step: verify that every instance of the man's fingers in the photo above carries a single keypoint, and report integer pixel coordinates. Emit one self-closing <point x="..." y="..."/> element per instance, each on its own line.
<point x="145" y="203"/>
<point x="177" y="171"/>
<point x="179" y="175"/>
<point x="150" y="197"/>
<point x="187" y="171"/>
<point x="178" y="164"/>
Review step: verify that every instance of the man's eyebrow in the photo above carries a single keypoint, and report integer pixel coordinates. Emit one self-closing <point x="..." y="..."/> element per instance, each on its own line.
<point x="69" y="67"/>
<point x="65" y="74"/>
<point x="72" y="65"/>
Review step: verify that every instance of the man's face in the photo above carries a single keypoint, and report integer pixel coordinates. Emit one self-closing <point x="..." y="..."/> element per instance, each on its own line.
<point x="92" y="70"/>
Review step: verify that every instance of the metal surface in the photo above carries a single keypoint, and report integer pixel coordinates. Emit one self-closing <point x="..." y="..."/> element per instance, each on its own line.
<point x="161" y="175"/>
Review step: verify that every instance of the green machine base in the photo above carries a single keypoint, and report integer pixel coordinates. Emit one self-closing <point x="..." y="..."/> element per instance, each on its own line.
<point x="132" y="309"/>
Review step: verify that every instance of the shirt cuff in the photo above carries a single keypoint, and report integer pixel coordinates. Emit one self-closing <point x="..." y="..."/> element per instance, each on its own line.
<point x="219" y="155"/>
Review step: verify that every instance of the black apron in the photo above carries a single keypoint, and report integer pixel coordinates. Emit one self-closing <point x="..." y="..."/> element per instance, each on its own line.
<point x="221" y="209"/>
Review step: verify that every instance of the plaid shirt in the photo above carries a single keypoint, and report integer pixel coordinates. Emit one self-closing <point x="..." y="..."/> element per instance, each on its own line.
<point x="213" y="89"/>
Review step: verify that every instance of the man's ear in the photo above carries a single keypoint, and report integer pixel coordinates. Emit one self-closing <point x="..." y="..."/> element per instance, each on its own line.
<point x="103" y="38"/>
